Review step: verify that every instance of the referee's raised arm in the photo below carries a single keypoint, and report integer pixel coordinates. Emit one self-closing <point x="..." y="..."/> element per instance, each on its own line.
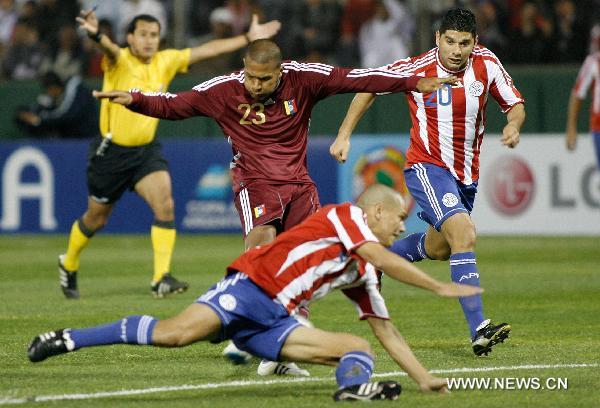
<point x="89" y="22"/>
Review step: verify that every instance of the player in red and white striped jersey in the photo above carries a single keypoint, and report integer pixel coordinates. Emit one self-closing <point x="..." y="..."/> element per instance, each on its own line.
<point x="588" y="79"/>
<point x="338" y="247"/>
<point x="443" y="157"/>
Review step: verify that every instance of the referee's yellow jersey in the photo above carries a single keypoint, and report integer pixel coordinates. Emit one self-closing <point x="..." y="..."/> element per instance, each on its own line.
<point x="129" y="128"/>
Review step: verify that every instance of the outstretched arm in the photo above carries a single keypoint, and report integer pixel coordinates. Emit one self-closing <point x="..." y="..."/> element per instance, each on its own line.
<point x="341" y="145"/>
<point x="393" y="342"/>
<point x="163" y="106"/>
<point x="362" y="102"/>
<point x="512" y="130"/>
<point x="401" y="270"/>
<point x="572" y="116"/>
<point x="217" y="47"/>
<point x="89" y="22"/>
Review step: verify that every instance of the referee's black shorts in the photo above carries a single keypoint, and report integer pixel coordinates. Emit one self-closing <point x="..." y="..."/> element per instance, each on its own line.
<point x="120" y="167"/>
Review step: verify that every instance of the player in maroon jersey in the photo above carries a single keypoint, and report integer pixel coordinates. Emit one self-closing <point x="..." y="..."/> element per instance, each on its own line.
<point x="443" y="157"/>
<point x="264" y="111"/>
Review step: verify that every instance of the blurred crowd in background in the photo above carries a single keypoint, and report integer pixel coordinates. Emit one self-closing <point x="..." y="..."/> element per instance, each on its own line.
<point x="38" y="36"/>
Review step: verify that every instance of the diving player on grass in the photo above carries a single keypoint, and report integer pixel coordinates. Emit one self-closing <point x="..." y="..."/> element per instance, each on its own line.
<point x="339" y="247"/>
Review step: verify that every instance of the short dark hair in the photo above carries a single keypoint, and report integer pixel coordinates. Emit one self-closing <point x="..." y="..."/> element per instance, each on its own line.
<point x="263" y="51"/>
<point x="142" y="17"/>
<point x="458" y="19"/>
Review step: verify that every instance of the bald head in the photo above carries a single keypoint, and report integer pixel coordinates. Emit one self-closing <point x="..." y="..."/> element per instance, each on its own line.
<point x="380" y="194"/>
<point x="263" y="52"/>
<point x="385" y="212"/>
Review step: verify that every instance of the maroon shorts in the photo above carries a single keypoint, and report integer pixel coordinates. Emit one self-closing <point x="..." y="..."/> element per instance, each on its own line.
<point x="281" y="205"/>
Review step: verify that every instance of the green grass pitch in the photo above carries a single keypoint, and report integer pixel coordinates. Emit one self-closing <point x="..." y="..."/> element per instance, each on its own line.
<point x="547" y="288"/>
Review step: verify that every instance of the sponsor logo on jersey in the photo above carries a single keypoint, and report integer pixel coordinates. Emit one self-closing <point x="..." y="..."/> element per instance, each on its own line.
<point x="449" y="200"/>
<point x="259" y="211"/>
<point x="290" y="107"/>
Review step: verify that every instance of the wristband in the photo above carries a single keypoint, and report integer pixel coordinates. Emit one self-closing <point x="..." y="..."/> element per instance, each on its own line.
<point x="95" y="37"/>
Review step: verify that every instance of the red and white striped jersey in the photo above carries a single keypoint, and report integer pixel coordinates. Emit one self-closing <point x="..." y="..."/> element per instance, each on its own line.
<point x="316" y="257"/>
<point x="589" y="77"/>
<point x="448" y="125"/>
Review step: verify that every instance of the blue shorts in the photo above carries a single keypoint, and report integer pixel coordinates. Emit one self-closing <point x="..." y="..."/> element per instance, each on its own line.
<point x="249" y="317"/>
<point x="438" y="193"/>
<point x="596" y="136"/>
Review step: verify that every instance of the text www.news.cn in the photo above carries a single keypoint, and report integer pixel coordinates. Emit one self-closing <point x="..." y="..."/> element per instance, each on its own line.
<point x="508" y="383"/>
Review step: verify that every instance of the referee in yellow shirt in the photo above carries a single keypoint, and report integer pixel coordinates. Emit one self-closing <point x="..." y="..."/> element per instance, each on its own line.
<point x="127" y="156"/>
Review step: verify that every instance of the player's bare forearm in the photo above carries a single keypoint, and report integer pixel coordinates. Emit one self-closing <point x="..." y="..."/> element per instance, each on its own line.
<point x="511" y="133"/>
<point x="109" y="48"/>
<point x="395" y="345"/>
<point x="223" y="46"/>
<point x="216" y="47"/>
<point x="341" y="145"/>
<point x="516" y="116"/>
<point x="403" y="271"/>
<point x="359" y="106"/>
<point x="396" y="267"/>
<point x="572" y="116"/>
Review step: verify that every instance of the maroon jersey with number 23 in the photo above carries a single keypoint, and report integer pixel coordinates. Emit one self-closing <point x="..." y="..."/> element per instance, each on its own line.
<point x="269" y="137"/>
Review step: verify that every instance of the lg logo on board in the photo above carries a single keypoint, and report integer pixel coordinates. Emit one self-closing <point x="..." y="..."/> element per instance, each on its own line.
<point x="511" y="186"/>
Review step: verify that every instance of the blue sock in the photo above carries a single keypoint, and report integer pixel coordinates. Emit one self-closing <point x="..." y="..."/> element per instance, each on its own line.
<point x="463" y="268"/>
<point x="411" y="248"/>
<point x="355" y="367"/>
<point x="130" y="330"/>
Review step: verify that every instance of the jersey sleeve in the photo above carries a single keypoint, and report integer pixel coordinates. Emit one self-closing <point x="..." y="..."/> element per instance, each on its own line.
<point x="502" y="87"/>
<point x="326" y="80"/>
<point x="179" y="60"/>
<point x="585" y="78"/>
<point x="366" y="295"/>
<point x="350" y="226"/>
<point x="177" y="106"/>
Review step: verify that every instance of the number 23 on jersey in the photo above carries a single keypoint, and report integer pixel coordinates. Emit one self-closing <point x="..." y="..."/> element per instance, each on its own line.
<point x="257" y="109"/>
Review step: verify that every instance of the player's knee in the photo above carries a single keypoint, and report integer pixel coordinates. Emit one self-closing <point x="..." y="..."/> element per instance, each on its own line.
<point x="355" y="343"/>
<point x="439" y="253"/>
<point x="461" y="233"/>
<point x="169" y="335"/>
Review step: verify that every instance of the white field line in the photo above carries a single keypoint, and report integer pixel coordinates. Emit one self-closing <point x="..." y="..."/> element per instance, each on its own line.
<point x="249" y="383"/>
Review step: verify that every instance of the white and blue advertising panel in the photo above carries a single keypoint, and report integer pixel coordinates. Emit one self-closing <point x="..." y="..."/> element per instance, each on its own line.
<point x="43" y="186"/>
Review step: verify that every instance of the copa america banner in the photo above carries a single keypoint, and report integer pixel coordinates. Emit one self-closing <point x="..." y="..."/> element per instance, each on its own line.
<point x="43" y="187"/>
